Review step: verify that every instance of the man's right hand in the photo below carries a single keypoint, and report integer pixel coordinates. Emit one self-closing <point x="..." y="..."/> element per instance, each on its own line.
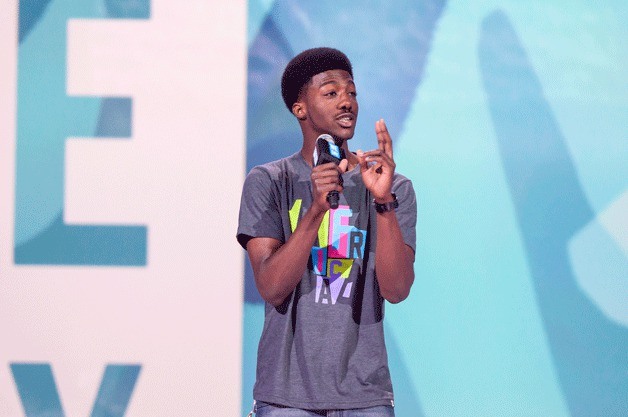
<point x="326" y="178"/>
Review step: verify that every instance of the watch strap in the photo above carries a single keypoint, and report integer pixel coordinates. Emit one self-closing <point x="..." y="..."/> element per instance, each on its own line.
<point x="386" y="207"/>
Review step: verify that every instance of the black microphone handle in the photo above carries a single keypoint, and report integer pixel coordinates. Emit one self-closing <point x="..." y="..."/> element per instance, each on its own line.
<point x="333" y="198"/>
<point x="323" y="144"/>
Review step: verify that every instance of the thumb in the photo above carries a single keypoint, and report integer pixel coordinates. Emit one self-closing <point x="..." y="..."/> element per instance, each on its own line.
<point x="361" y="159"/>
<point x="343" y="165"/>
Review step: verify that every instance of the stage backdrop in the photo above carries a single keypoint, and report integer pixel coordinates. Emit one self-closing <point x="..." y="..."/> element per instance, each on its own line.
<point x="123" y="126"/>
<point x="126" y="129"/>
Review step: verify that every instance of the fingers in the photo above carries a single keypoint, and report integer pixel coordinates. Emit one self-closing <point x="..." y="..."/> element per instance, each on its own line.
<point x="384" y="141"/>
<point x="327" y="177"/>
<point x="376" y="160"/>
<point x="330" y="168"/>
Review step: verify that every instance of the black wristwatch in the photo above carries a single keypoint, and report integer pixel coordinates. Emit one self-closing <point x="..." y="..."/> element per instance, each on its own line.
<point x="386" y="207"/>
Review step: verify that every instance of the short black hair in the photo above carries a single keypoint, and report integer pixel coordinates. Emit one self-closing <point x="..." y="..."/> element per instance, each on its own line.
<point x="306" y="65"/>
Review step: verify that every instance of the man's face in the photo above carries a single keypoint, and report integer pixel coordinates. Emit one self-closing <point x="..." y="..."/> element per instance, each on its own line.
<point x="331" y="105"/>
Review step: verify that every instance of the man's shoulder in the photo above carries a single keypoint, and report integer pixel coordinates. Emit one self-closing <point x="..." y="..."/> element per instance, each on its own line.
<point x="276" y="168"/>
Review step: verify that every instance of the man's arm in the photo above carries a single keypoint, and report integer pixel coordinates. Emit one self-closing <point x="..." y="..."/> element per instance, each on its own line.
<point x="394" y="260"/>
<point x="278" y="267"/>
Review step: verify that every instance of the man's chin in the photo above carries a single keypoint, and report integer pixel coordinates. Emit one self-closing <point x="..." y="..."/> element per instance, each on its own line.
<point x="343" y="136"/>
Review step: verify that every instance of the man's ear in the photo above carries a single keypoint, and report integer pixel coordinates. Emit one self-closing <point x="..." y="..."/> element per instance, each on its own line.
<point x="299" y="110"/>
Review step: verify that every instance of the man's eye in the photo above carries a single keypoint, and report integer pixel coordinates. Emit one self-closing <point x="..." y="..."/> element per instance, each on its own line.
<point x="330" y="93"/>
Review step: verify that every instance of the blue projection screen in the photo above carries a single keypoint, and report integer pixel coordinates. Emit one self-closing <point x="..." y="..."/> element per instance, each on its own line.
<point x="511" y="120"/>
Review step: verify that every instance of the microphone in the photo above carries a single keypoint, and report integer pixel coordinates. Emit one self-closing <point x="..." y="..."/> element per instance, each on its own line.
<point x="327" y="151"/>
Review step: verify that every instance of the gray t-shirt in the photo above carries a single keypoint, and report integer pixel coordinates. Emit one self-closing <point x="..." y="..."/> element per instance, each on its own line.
<point x="323" y="348"/>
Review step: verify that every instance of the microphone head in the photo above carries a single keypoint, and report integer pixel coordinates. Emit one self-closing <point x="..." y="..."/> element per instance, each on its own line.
<point x="327" y="150"/>
<point x="326" y="137"/>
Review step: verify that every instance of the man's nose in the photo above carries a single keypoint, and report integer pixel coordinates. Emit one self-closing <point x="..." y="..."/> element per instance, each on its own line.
<point x="346" y="101"/>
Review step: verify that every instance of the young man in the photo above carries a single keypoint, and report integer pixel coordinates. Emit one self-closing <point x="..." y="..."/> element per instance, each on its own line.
<point x="325" y="273"/>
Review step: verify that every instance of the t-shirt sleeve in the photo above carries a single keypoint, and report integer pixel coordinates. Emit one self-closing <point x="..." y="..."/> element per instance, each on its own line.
<point x="407" y="211"/>
<point x="259" y="210"/>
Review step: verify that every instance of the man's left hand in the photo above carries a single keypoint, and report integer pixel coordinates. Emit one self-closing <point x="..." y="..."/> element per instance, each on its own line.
<point x="378" y="166"/>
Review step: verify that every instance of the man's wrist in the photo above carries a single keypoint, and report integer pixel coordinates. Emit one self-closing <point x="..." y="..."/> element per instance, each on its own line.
<point x="387" y="199"/>
<point x="386" y="205"/>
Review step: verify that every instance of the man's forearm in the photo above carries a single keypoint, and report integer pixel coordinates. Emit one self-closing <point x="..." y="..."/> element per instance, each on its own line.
<point x="280" y="269"/>
<point x="394" y="260"/>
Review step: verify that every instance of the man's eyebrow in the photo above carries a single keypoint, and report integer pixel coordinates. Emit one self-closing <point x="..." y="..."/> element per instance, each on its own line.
<point x="334" y="81"/>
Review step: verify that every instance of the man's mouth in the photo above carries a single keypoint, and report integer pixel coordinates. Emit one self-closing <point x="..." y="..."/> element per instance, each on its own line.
<point x="346" y="119"/>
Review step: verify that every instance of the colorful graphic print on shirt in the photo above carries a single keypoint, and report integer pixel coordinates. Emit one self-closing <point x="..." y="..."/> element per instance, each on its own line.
<point x="339" y="245"/>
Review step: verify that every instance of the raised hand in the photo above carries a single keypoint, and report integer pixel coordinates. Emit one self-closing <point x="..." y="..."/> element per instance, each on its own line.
<point x="378" y="166"/>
